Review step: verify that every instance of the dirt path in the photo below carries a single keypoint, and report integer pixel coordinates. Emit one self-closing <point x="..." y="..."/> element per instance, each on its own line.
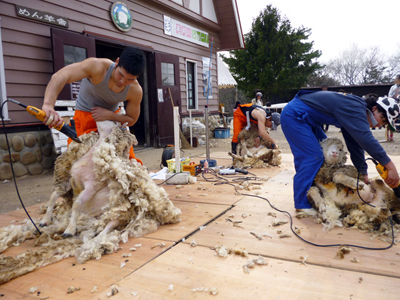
<point x="37" y="189"/>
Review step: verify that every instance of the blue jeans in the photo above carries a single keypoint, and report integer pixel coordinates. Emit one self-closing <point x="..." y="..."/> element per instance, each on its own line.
<point x="303" y="135"/>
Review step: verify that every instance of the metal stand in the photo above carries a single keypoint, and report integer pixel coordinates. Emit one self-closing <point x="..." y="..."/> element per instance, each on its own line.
<point x="207" y="133"/>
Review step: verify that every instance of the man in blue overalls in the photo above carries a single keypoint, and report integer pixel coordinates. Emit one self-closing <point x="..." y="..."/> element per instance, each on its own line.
<point x="301" y="121"/>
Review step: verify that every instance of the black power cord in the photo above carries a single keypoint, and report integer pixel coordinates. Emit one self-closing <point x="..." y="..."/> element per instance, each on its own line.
<point x="222" y="180"/>
<point x="166" y="180"/>
<point x="12" y="168"/>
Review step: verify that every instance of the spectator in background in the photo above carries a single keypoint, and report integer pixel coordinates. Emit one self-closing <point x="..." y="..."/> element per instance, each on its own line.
<point x="324" y="87"/>
<point x="258" y="99"/>
<point x="394" y="93"/>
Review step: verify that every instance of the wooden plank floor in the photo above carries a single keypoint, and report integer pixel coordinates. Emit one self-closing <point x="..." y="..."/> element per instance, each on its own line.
<point x="54" y="280"/>
<point x="188" y="268"/>
<point x="149" y="272"/>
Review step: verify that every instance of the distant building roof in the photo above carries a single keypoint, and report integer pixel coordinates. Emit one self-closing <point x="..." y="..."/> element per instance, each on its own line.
<point x="225" y="78"/>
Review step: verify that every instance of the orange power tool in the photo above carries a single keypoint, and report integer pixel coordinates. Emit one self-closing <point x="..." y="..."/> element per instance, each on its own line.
<point x="40" y="115"/>
<point x="383" y="172"/>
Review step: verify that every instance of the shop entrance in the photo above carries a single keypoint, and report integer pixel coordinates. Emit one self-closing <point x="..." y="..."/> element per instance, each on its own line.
<point x="71" y="47"/>
<point x="140" y="129"/>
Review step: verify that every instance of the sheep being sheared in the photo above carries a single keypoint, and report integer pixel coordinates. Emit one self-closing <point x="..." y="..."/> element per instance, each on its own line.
<point x="120" y="195"/>
<point x="62" y="172"/>
<point x="250" y="156"/>
<point x="335" y="195"/>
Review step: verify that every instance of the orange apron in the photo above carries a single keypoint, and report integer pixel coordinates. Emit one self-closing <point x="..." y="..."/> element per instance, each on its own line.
<point x="84" y="123"/>
<point x="240" y="121"/>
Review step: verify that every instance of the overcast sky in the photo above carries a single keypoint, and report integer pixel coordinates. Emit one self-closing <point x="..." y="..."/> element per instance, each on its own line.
<point x="335" y="25"/>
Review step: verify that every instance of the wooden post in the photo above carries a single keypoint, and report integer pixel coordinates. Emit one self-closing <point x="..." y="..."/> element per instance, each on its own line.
<point x="176" y="140"/>
<point x="190" y="126"/>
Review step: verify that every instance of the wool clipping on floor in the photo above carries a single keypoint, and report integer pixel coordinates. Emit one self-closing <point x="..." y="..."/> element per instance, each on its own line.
<point x="104" y="198"/>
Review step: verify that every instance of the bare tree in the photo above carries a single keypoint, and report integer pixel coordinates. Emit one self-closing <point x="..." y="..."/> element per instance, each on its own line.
<point x="320" y="78"/>
<point x="356" y="66"/>
<point x="394" y="64"/>
<point x="373" y="67"/>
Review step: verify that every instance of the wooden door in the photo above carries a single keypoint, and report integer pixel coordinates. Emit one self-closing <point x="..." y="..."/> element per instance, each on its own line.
<point x="167" y="77"/>
<point x="68" y="48"/>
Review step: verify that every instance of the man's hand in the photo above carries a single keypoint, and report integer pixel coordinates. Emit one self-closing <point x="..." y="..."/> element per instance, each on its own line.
<point x="257" y="142"/>
<point x="52" y="117"/>
<point x="392" y="179"/>
<point x="102" y="114"/>
<point x="366" y="179"/>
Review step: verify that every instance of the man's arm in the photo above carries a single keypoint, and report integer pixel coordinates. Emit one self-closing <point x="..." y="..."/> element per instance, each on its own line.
<point x="68" y="74"/>
<point x="261" y="127"/>
<point x="134" y="98"/>
<point x="391" y="91"/>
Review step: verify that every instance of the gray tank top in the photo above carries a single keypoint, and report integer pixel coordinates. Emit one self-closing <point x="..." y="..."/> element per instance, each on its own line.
<point x="99" y="95"/>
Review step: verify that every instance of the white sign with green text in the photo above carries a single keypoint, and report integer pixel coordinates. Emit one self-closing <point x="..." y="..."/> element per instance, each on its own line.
<point x="186" y="32"/>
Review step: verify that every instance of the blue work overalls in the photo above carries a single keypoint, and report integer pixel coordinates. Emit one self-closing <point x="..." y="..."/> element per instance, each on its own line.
<point x="301" y="125"/>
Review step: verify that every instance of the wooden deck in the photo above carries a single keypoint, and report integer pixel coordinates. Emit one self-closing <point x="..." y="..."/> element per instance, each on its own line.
<point x="295" y="270"/>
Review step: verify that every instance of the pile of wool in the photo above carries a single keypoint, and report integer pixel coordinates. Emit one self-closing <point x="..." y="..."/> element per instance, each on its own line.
<point x="214" y="121"/>
<point x="248" y="156"/>
<point x="135" y="201"/>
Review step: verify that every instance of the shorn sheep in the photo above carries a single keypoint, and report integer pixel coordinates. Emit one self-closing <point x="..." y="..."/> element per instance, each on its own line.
<point x="106" y="198"/>
<point x="248" y="156"/>
<point x="334" y="194"/>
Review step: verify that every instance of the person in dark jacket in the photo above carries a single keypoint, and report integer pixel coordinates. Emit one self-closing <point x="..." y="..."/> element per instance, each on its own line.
<point x="301" y="121"/>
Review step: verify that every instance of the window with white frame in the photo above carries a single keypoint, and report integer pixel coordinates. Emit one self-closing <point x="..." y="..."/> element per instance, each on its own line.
<point x="202" y="7"/>
<point x="3" y="94"/>
<point x="167" y="74"/>
<point x="191" y="84"/>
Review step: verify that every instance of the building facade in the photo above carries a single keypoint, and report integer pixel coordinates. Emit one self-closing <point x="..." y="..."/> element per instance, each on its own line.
<point x="39" y="37"/>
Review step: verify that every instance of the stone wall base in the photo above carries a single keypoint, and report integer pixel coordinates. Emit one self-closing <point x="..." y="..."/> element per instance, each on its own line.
<point x="31" y="153"/>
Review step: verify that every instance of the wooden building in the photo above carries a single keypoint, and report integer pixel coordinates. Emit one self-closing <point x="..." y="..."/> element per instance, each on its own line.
<point x="38" y="37"/>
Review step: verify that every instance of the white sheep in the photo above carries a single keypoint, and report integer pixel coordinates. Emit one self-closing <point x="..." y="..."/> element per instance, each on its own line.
<point x="124" y="197"/>
<point x="248" y="156"/>
<point x="334" y="193"/>
<point x="62" y="172"/>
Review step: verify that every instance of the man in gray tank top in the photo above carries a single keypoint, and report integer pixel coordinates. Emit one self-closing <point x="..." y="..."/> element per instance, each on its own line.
<point x="104" y="84"/>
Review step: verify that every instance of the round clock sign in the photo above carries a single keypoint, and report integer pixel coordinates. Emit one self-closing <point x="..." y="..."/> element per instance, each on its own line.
<point x="121" y="16"/>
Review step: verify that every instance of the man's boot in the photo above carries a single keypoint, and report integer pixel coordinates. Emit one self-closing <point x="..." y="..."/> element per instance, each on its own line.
<point x="234" y="145"/>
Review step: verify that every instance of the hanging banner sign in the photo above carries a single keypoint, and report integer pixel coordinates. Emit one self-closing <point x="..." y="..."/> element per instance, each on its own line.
<point x="185" y="32"/>
<point x="207" y="78"/>
<point x="41" y="16"/>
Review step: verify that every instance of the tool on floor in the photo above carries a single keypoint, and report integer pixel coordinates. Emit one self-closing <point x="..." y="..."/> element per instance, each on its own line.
<point x="383" y="172"/>
<point x="40" y="115"/>
<point x="241" y="171"/>
<point x="227" y="172"/>
<point x="193" y="168"/>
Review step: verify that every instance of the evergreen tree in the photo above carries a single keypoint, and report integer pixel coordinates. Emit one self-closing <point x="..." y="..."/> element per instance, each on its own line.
<point x="277" y="56"/>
